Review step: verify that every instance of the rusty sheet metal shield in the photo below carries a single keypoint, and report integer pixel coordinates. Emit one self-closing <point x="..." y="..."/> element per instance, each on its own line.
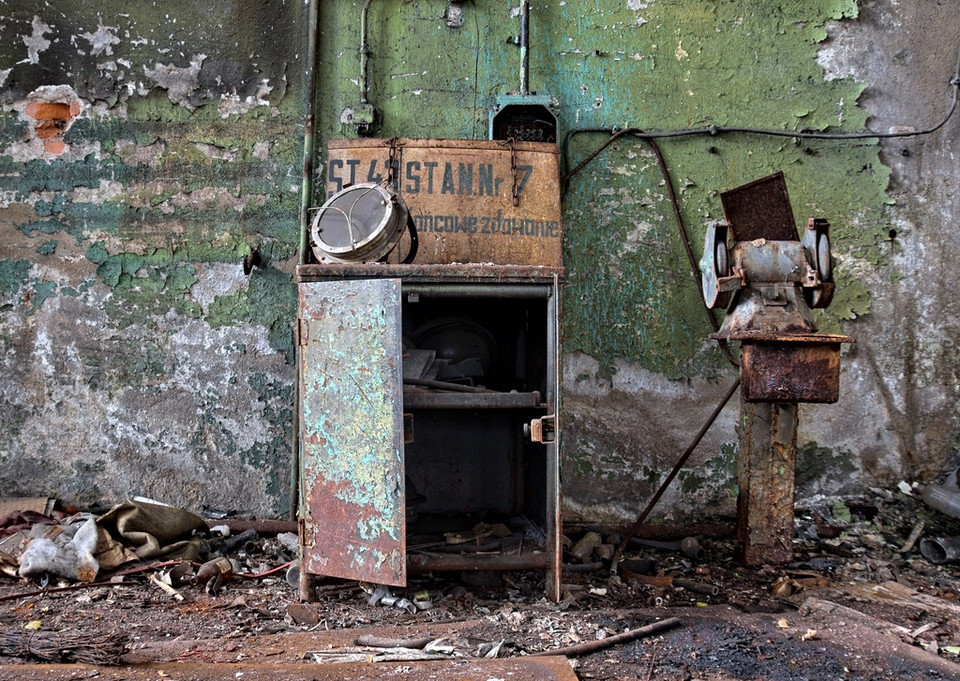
<point x="352" y="489"/>
<point x="760" y="210"/>
<point x="790" y="372"/>
<point x="471" y="200"/>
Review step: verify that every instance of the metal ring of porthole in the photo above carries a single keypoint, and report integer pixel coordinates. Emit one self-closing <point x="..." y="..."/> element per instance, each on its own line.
<point x="362" y="223"/>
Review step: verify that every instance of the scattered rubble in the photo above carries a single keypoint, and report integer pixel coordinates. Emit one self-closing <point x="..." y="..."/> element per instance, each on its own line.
<point x="215" y="590"/>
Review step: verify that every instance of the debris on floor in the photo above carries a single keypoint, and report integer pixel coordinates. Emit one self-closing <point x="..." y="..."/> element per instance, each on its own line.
<point x="195" y="590"/>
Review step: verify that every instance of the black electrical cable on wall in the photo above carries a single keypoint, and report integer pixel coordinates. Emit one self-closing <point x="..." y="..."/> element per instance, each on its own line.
<point x="713" y="130"/>
<point x="649" y="138"/>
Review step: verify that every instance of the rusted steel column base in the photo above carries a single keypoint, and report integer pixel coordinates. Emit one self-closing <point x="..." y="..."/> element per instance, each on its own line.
<point x="767" y="467"/>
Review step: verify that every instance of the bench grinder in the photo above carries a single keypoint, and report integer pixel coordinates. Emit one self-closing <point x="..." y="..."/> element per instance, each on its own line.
<point x="755" y="265"/>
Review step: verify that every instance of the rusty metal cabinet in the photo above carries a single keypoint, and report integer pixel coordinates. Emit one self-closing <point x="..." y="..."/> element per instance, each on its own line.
<point x="397" y="475"/>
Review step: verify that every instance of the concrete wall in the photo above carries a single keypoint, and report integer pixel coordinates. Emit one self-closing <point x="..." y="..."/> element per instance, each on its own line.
<point x="146" y="149"/>
<point x="138" y="358"/>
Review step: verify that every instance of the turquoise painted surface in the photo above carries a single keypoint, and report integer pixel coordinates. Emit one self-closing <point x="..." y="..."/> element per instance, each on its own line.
<point x="352" y="446"/>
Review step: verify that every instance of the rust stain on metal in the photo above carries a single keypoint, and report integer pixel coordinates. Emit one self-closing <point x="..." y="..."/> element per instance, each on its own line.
<point x="760" y="210"/>
<point x="461" y="195"/>
<point x="767" y="465"/>
<point x="777" y="371"/>
<point x="427" y="273"/>
<point x="352" y="438"/>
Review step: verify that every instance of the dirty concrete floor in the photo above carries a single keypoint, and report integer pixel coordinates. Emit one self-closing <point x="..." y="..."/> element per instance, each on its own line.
<point x="851" y="606"/>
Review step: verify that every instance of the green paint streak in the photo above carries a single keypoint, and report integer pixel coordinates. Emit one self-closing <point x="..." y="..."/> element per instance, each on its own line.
<point x="270" y="300"/>
<point x="145" y="286"/>
<point x="41" y="291"/>
<point x="276" y="398"/>
<point x="13" y="275"/>
<point x="722" y="469"/>
<point x="31" y="292"/>
<point x="816" y="464"/>
<point x="126" y="363"/>
<point x="692" y="481"/>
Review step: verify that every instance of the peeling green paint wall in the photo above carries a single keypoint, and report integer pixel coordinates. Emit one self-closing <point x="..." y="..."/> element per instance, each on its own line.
<point x="631" y="302"/>
<point x="660" y="66"/>
<point x="133" y="342"/>
<point x="721" y="64"/>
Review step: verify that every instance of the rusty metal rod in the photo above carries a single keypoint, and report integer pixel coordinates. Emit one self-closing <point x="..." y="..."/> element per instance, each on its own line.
<point x="522" y="291"/>
<point x="626" y="637"/>
<point x="676" y="469"/>
<point x="61" y="589"/>
<point x="445" y="385"/>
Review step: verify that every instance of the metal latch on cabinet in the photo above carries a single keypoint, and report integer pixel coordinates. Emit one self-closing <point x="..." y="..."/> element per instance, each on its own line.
<point x="543" y="429"/>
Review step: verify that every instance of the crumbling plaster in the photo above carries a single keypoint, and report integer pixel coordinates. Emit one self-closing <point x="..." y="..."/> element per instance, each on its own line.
<point x="903" y="372"/>
<point x="145" y="151"/>
<point x="138" y="358"/>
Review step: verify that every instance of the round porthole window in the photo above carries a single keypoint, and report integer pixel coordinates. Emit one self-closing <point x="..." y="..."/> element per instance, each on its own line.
<point x="362" y="223"/>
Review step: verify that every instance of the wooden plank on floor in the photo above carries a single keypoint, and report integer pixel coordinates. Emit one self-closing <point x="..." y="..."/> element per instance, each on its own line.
<point x="540" y="668"/>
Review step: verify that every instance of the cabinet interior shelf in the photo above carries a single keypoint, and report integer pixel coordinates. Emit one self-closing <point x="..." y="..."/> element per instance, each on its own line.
<point x="417" y="398"/>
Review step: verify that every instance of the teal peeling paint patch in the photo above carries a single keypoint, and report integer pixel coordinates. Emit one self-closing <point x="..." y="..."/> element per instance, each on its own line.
<point x="816" y="464"/>
<point x="270" y="300"/>
<point x="145" y="287"/>
<point x="691" y="481"/>
<point x="42" y="291"/>
<point x="40" y="227"/>
<point x="122" y="363"/>
<point x="13" y="275"/>
<point x="15" y="279"/>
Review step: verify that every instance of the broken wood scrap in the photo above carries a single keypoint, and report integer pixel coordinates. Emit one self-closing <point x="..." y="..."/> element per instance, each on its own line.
<point x="913" y="537"/>
<point x="385" y="642"/>
<point x="626" y="637"/>
<point x="444" y="648"/>
<point x="166" y="587"/>
<point x="815" y="604"/>
<point x="65" y="646"/>
<point x="895" y="593"/>
<point x="360" y="654"/>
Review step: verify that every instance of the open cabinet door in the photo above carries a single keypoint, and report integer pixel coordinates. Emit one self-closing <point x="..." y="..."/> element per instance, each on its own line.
<point x="352" y="502"/>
